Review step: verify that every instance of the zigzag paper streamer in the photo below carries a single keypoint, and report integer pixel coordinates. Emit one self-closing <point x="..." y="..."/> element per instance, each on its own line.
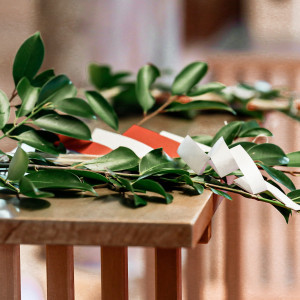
<point x="225" y="161"/>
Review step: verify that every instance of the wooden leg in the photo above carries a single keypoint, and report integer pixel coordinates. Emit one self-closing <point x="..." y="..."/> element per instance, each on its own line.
<point x="60" y="272"/>
<point x="206" y="236"/>
<point x="10" y="284"/>
<point x="114" y="273"/>
<point x="168" y="274"/>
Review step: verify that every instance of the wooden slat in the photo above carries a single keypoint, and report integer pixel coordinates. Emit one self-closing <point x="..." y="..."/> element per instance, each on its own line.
<point x="206" y="236"/>
<point x="60" y="272"/>
<point x="114" y="273"/>
<point x="10" y="285"/>
<point x="168" y="282"/>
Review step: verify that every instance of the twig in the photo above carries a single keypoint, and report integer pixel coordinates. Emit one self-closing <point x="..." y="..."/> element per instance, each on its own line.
<point x="156" y="112"/>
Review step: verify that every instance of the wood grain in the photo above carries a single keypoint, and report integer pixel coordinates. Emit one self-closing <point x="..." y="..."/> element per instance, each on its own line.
<point x="168" y="283"/>
<point x="114" y="273"/>
<point x="106" y="221"/>
<point x="10" y="285"/>
<point x="60" y="272"/>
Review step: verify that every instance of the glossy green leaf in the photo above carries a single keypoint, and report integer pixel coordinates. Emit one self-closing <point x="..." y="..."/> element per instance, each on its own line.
<point x="18" y="165"/>
<point x="65" y="125"/>
<point x="42" y="78"/>
<point x="4" y="109"/>
<point x="58" y="179"/>
<point x="33" y="138"/>
<point x="28" y="95"/>
<point x="145" y="78"/>
<point x="294" y="159"/>
<point x="206" y="88"/>
<point x="228" y="132"/>
<point x="249" y="125"/>
<point x="187" y="179"/>
<point x="29" y="58"/>
<point x="203" y="139"/>
<point x="268" y="154"/>
<point x="153" y="186"/>
<point x="246" y="145"/>
<point x="102" y="108"/>
<point x="220" y="193"/>
<point x="27" y="188"/>
<point x="189" y="77"/>
<point x="89" y="175"/>
<point x="199" y="105"/>
<point x="75" y="107"/>
<point x="99" y="76"/>
<point x="285" y="212"/>
<point x="163" y="169"/>
<point x="139" y="201"/>
<point x="295" y="196"/>
<point x="153" y="159"/>
<point x="119" y="159"/>
<point x="255" y="132"/>
<point x="279" y="176"/>
<point x="57" y="89"/>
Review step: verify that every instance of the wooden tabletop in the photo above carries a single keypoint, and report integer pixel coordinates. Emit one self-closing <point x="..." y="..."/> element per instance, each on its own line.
<point x="107" y="221"/>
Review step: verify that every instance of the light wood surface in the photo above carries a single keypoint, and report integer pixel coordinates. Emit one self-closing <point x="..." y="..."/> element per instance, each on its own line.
<point x="114" y="273"/>
<point x="168" y="283"/>
<point x="10" y="285"/>
<point x="106" y="221"/>
<point x="60" y="272"/>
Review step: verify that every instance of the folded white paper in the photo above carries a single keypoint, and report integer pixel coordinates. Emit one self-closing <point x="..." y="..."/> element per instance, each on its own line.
<point x="225" y="161"/>
<point x="115" y="140"/>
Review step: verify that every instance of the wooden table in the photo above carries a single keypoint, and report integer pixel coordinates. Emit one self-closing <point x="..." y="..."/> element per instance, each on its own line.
<point x="104" y="221"/>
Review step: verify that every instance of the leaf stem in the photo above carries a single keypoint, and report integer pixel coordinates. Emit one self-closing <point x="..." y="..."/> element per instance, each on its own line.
<point x="8" y="184"/>
<point x="156" y="112"/>
<point x="13" y="95"/>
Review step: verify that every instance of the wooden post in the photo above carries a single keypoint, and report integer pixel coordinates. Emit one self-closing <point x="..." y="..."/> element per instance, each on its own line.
<point x="60" y="272"/>
<point x="114" y="273"/>
<point x="168" y="281"/>
<point x="10" y="284"/>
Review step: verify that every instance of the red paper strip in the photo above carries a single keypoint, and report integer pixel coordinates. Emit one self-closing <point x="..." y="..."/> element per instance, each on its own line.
<point x="153" y="139"/>
<point x="84" y="147"/>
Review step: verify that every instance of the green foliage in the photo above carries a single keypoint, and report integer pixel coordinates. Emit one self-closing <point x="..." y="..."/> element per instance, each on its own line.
<point x="229" y="132"/>
<point x="18" y="165"/>
<point x="145" y="78"/>
<point x="4" y="109"/>
<point x="207" y="88"/>
<point x="294" y="159"/>
<point x="29" y="58"/>
<point x="188" y="78"/>
<point x="103" y="109"/>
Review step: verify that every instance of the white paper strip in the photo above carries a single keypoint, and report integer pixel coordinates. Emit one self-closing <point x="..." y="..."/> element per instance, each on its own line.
<point x="115" y="140"/>
<point x="194" y="157"/>
<point x="180" y="139"/>
<point x="225" y="161"/>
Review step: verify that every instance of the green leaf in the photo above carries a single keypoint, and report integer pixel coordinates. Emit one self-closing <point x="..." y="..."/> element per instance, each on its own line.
<point x="153" y="159"/>
<point x="57" y="89"/>
<point x="279" y="176"/>
<point x="228" y="132"/>
<point x="153" y="186"/>
<point x="246" y="145"/>
<point x="285" y="212"/>
<point x="255" y="132"/>
<point x="58" y="179"/>
<point x="27" y="188"/>
<point x="33" y="138"/>
<point x="189" y="77"/>
<point x="4" y="109"/>
<point x="18" y="165"/>
<point x="99" y="76"/>
<point x="199" y="105"/>
<point x="249" y="125"/>
<point x="102" y="108"/>
<point x="220" y="193"/>
<point x="295" y="196"/>
<point x="187" y="179"/>
<point x="139" y="201"/>
<point x="29" y="58"/>
<point x="89" y="175"/>
<point x="28" y="95"/>
<point x="163" y="169"/>
<point x="42" y="78"/>
<point x="65" y="125"/>
<point x="268" y="154"/>
<point x="145" y="78"/>
<point x="203" y="139"/>
<point x="117" y="160"/>
<point x="206" y="88"/>
<point x="294" y="159"/>
<point x="75" y="107"/>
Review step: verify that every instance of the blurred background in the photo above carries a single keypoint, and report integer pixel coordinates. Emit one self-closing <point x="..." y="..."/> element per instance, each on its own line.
<point x="253" y="254"/>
